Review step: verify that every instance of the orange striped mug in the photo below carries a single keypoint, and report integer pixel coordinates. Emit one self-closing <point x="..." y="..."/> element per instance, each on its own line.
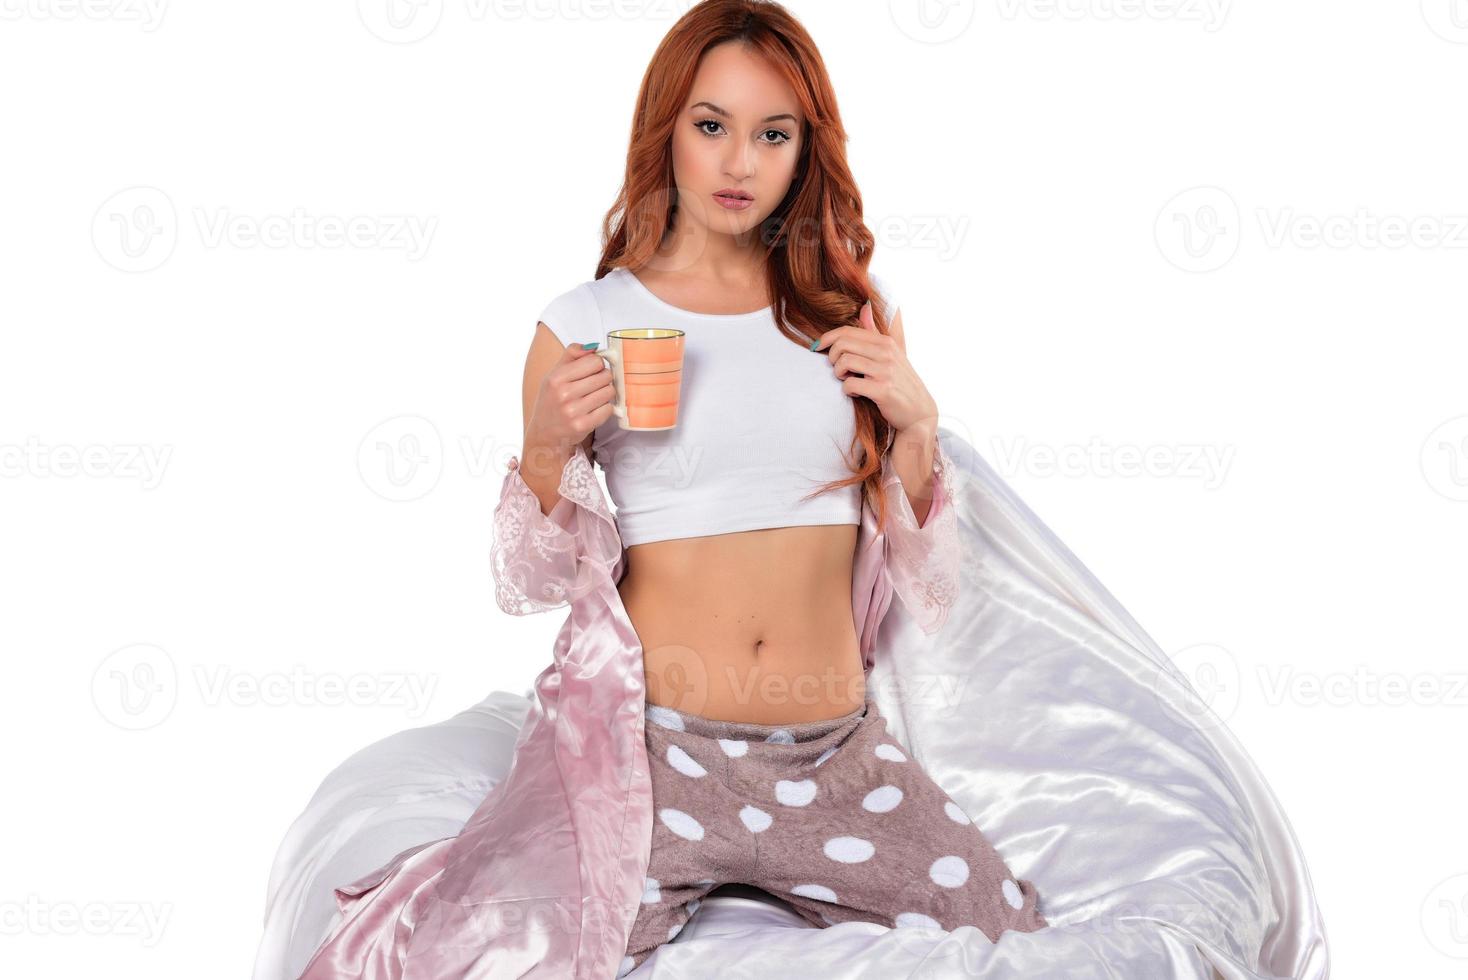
<point x="647" y="373"/>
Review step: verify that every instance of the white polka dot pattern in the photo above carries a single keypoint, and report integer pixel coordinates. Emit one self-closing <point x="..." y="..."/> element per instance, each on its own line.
<point x="874" y="855"/>
<point x="734" y="747"/>
<point x="755" y="819"/>
<point x="795" y="792"/>
<point x="950" y="871"/>
<point x="667" y="717"/>
<point x="849" y="850"/>
<point x="681" y="823"/>
<point x="882" y="799"/>
<point x="916" y="920"/>
<point x="684" y="763"/>
<point x="818" y="892"/>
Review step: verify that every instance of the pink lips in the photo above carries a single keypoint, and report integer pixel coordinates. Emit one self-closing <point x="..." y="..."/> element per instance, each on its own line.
<point x="734" y="200"/>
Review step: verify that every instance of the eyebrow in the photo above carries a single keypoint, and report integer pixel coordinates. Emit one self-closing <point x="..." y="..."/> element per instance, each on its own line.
<point x="726" y="115"/>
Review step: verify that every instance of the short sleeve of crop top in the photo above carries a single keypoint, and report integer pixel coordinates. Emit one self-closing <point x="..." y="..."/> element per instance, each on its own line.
<point x="574" y="316"/>
<point x="884" y="292"/>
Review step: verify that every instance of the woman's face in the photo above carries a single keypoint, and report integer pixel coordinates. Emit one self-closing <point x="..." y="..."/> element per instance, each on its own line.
<point x="740" y="131"/>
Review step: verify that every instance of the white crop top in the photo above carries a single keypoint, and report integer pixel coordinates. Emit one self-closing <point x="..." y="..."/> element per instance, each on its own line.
<point x="761" y="421"/>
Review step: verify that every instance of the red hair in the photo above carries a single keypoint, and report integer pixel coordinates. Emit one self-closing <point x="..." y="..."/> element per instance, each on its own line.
<point x="818" y="246"/>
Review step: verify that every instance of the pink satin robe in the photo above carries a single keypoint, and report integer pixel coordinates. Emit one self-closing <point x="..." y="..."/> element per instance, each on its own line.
<point x="546" y="877"/>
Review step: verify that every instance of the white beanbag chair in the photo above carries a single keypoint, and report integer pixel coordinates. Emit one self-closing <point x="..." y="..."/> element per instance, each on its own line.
<point x="1041" y="707"/>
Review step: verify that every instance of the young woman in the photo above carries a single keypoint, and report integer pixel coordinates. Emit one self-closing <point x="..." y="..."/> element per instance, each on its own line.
<point x="706" y="719"/>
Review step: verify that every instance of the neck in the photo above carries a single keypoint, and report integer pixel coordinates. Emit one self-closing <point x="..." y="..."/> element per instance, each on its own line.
<point x="698" y="253"/>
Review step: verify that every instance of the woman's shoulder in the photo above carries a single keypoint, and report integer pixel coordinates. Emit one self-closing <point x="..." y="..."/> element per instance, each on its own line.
<point x="575" y="315"/>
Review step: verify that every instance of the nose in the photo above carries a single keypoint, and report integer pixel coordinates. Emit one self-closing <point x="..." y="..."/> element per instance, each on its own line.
<point x="739" y="165"/>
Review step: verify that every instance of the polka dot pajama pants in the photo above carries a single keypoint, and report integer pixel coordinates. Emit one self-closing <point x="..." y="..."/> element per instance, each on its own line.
<point x="832" y="816"/>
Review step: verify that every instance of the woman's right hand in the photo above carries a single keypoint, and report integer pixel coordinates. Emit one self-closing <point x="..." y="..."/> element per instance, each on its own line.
<point x="575" y="397"/>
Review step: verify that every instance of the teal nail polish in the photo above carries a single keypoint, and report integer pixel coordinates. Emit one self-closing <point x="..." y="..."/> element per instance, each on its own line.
<point x="592" y="346"/>
<point x="813" y="344"/>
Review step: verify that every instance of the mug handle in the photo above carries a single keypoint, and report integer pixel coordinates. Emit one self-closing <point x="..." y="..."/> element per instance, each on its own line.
<point x="611" y="356"/>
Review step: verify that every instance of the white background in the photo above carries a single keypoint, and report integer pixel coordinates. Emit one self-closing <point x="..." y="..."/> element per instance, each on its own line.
<point x="292" y="451"/>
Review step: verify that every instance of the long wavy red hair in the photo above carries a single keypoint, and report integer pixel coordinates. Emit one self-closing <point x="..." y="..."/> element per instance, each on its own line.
<point x="818" y="245"/>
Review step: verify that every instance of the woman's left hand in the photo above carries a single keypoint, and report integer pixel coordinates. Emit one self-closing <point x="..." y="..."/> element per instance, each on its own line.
<point x="875" y="364"/>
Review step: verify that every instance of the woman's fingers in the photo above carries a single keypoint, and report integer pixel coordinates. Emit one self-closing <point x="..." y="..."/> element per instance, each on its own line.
<point x="852" y="362"/>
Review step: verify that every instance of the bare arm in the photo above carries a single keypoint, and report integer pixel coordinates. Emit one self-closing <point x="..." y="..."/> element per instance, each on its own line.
<point x="566" y="393"/>
<point x="924" y="558"/>
<point x="913" y="448"/>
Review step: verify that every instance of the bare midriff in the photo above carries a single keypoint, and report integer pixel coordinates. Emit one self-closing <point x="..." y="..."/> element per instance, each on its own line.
<point x="752" y="626"/>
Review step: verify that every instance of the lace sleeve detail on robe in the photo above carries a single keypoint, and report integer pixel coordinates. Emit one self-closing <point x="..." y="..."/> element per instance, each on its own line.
<point x="923" y="562"/>
<point x="541" y="562"/>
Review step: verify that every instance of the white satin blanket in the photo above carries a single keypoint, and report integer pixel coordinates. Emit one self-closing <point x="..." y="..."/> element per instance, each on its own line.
<point x="1041" y="707"/>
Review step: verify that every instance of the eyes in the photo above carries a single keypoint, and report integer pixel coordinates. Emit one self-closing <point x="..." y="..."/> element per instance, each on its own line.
<point x="784" y="137"/>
